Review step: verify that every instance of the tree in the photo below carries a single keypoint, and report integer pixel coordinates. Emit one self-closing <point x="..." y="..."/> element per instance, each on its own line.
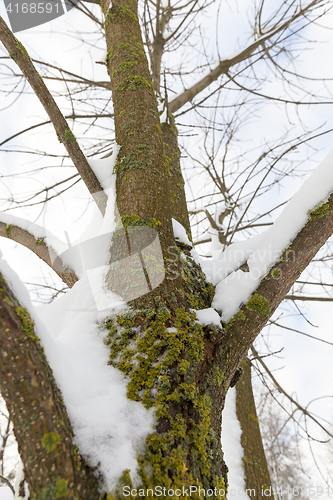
<point x="174" y="364"/>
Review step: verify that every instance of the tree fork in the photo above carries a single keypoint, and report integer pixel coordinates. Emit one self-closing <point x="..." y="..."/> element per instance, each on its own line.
<point x="52" y="463"/>
<point x="176" y="181"/>
<point x="142" y="185"/>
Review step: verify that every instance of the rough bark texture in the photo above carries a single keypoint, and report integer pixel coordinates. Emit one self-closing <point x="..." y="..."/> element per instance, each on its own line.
<point x="171" y="361"/>
<point x="52" y="464"/>
<point x="246" y="325"/>
<point x="178" y="205"/>
<point x="142" y="180"/>
<point x="256" y="471"/>
<point x="143" y="195"/>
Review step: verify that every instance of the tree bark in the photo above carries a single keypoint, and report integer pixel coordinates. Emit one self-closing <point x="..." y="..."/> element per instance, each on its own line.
<point x="257" y="476"/>
<point x="171" y="362"/>
<point x="176" y="181"/>
<point x="52" y="463"/>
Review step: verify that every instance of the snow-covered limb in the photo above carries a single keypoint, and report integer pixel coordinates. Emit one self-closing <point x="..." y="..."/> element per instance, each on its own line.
<point x="235" y="286"/>
<point x="244" y="326"/>
<point x="34" y="237"/>
<point x="70" y="260"/>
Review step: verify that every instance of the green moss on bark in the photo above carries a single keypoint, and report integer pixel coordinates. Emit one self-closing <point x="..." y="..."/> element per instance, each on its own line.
<point x="320" y="212"/>
<point x="259" y="304"/>
<point x="161" y="362"/>
<point x="8" y="230"/>
<point x="50" y="441"/>
<point x="27" y="325"/>
<point x="133" y="82"/>
<point x="69" y="136"/>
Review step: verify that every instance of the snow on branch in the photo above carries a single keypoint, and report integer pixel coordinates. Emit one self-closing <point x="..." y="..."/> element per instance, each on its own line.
<point x="34" y="237"/>
<point x="235" y="286"/>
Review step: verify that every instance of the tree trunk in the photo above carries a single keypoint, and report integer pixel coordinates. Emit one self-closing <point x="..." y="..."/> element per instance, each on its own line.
<point x="257" y="476"/>
<point x="53" y="466"/>
<point x="171" y="361"/>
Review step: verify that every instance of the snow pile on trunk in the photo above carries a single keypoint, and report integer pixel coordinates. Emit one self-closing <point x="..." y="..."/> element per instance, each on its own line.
<point x="109" y="428"/>
<point x="180" y="233"/>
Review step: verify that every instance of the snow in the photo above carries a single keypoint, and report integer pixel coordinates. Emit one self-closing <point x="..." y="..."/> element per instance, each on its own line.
<point x="208" y="317"/>
<point x="15" y="284"/>
<point x="109" y="429"/>
<point x="162" y="109"/>
<point x="164" y="116"/>
<point x="180" y="233"/>
<point x="81" y="255"/>
<point x="233" y="286"/>
<point x="232" y="448"/>
<point x="103" y="168"/>
<point x="18" y="479"/>
<point x="91" y="250"/>
<point x="35" y="229"/>
<point x="6" y="493"/>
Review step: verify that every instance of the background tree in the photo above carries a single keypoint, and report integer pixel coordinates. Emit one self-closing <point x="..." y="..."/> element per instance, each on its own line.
<point x="200" y="361"/>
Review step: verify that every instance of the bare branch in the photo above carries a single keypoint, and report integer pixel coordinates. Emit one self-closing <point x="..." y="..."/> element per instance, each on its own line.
<point x="304" y="247"/>
<point x="305" y="298"/>
<point x="8" y="483"/>
<point x="282" y="391"/>
<point x="244" y="54"/>
<point x="19" y="54"/>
